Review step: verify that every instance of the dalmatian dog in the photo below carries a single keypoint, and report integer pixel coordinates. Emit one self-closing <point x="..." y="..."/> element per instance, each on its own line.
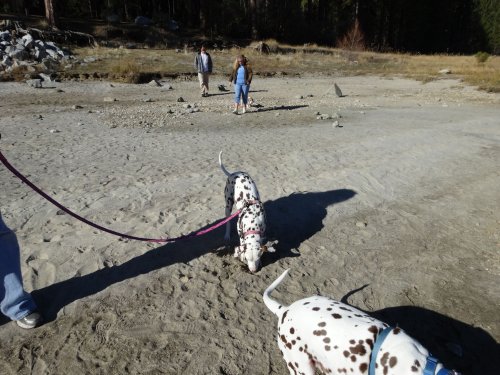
<point x="321" y="334"/>
<point x="242" y="192"/>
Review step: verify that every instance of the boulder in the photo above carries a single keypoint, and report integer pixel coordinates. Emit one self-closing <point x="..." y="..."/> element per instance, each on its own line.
<point x="36" y="83"/>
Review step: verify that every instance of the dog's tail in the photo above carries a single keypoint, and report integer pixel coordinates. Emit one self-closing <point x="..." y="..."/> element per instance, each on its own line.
<point x="271" y="304"/>
<point x="226" y="172"/>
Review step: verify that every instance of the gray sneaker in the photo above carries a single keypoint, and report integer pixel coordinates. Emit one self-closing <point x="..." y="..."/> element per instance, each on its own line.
<point x="30" y="321"/>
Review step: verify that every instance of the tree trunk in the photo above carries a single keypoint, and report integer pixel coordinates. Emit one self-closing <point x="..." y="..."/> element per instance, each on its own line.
<point x="253" y="19"/>
<point x="17" y="6"/>
<point x="49" y="13"/>
<point x="204" y="15"/>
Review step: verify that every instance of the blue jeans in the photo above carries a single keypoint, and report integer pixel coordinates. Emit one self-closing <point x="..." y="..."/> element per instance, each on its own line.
<point x="15" y="303"/>
<point x="241" y="91"/>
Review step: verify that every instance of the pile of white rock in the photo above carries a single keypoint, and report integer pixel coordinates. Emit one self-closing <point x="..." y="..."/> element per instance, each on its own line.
<point x="23" y="50"/>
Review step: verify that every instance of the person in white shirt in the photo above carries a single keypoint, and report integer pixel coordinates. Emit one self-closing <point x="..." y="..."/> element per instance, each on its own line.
<point x="203" y="64"/>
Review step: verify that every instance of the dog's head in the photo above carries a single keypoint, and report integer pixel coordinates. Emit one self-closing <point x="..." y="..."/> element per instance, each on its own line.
<point x="252" y="254"/>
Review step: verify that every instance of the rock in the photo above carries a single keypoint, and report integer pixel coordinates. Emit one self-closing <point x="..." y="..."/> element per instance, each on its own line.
<point x="180" y="99"/>
<point x="27" y="40"/>
<point x="36" y="83"/>
<point x="361" y="224"/>
<point x="336" y="124"/>
<point x="46" y="77"/>
<point x="445" y="71"/>
<point x="109" y="99"/>
<point x="76" y="106"/>
<point x="154" y="83"/>
<point x="338" y="91"/>
<point x="54" y="131"/>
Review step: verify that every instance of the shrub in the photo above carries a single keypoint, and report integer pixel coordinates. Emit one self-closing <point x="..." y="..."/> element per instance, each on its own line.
<point x="481" y="57"/>
<point x="353" y="40"/>
<point x="125" y="68"/>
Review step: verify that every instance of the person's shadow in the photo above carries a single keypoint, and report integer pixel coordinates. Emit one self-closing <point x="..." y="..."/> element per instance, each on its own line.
<point x="292" y="219"/>
<point x="459" y="346"/>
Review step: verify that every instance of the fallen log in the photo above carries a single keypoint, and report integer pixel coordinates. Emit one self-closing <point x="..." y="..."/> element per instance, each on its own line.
<point x="58" y="36"/>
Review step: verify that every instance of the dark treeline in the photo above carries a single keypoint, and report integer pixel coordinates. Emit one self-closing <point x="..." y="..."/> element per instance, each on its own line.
<point x="424" y="26"/>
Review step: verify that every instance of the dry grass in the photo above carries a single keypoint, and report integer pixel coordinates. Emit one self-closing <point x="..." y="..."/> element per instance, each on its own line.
<point x="293" y="60"/>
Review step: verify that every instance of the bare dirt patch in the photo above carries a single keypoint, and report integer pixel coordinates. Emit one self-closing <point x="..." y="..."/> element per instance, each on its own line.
<point x="393" y="202"/>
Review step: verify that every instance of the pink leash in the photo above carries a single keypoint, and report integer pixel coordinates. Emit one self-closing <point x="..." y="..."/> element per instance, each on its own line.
<point x="59" y="205"/>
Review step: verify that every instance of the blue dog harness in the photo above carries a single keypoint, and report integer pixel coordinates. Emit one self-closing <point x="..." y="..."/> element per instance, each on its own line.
<point x="430" y="366"/>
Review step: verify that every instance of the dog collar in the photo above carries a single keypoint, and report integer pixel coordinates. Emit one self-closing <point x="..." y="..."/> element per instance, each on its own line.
<point x="251" y="202"/>
<point x="249" y="232"/>
<point x="430" y="365"/>
<point x="376" y="348"/>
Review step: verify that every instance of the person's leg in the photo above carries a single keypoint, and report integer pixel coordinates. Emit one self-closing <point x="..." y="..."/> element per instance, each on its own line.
<point x="201" y="80"/>
<point x="205" y="82"/>
<point x="15" y="303"/>
<point x="245" y="89"/>
<point x="237" y="96"/>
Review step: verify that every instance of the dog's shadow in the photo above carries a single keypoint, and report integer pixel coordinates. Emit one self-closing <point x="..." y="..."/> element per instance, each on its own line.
<point x="460" y="346"/>
<point x="293" y="219"/>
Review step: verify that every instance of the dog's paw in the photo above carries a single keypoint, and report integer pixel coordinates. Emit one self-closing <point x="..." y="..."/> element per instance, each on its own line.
<point x="269" y="247"/>
<point x="237" y="251"/>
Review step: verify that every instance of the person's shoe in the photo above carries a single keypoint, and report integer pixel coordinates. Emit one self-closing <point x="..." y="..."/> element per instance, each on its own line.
<point x="235" y="111"/>
<point x="30" y="321"/>
<point x="243" y="110"/>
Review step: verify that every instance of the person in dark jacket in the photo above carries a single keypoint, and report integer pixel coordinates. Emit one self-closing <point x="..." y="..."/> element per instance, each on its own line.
<point x="203" y="64"/>
<point x="241" y="76"/>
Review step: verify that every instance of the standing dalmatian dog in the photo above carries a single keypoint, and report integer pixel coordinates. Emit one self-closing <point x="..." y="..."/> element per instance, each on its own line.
<point x="318" y="333"/>
<point x="242" y="192"/>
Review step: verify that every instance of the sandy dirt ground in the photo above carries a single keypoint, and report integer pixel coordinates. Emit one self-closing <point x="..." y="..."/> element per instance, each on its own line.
<point x="387" y="197"/>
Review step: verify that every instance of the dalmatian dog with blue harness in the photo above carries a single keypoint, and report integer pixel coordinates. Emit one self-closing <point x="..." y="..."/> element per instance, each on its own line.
<point x="321" y="334"/>
<point x="241" y="191"/>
